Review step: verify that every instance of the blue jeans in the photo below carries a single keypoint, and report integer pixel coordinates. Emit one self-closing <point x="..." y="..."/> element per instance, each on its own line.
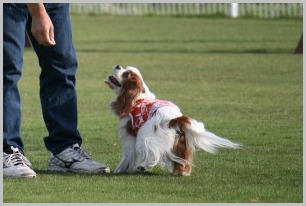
<point x="57" y="79"/>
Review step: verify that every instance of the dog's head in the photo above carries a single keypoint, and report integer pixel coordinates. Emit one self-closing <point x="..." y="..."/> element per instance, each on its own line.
<point x="129" y="87"/>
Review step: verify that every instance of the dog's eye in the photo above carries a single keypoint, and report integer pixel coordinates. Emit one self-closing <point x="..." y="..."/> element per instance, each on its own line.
<point x="125" y="75"/>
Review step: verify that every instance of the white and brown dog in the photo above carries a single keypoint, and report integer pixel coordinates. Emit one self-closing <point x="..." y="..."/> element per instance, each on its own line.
<point x="155" y="132"/>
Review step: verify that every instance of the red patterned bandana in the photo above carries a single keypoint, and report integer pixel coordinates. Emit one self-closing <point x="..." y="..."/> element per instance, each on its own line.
<point x="144" y="110"/>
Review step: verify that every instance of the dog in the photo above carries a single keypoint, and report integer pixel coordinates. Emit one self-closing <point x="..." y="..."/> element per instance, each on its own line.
<point x="154" y="132"/>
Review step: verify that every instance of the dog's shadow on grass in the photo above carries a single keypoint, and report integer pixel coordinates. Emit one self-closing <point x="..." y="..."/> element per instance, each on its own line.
<point x="111" y="174"/>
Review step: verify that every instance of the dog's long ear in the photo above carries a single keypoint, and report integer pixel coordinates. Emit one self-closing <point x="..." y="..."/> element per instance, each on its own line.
<point x="132" y="86"/>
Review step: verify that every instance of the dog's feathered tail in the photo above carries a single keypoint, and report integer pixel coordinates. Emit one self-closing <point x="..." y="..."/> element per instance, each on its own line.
<point x="197" y="137"/>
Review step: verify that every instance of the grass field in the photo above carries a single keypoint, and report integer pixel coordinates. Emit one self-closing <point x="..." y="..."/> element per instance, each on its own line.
<point x="240" y="77"/>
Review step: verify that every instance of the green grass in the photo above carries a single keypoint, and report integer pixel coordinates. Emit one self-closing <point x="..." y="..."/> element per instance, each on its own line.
<point x="240" y="77"/>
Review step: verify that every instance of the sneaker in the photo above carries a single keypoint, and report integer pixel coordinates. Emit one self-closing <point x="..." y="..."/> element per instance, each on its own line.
<point x="75" y="159"/>
<point x="16" y="165"/>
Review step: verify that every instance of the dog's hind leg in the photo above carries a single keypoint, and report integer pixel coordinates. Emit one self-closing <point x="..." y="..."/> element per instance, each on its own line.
<point x="148" y="154"/>
<point x="180" y="147"/>
<point x="145" y="161"/>
<point x="182" y="150"/>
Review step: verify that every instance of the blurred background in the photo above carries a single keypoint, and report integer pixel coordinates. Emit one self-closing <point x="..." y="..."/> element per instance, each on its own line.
<point x="261" y="10"/>
<point x="227" y="10"/>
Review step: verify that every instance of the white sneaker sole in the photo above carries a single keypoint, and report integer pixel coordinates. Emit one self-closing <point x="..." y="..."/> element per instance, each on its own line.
<point x="29" y="176"/>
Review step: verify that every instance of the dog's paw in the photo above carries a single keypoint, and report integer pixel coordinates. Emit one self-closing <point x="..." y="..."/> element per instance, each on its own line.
<point x="119" y="170"/>
<point x="181" y="173"/>
<point x="140" y="169"/>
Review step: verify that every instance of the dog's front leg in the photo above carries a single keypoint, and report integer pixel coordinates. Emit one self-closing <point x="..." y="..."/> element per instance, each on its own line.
<point x="127" y="162"/>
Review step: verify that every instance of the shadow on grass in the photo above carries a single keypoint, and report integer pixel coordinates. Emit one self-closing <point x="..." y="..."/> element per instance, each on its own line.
<point x="186" y="51"/>
<point x="69" y="173"/>
<point x="171" y="41"/>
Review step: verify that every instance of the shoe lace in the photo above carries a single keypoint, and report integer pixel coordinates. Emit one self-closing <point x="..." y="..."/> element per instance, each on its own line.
<point x="81" y="153"/>
<point x="74" y="154"/>
<point x="16" y="159"/>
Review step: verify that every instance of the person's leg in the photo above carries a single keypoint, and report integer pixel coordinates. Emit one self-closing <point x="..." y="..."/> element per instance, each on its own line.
<point x="57" y="82"/>
<point x="59" y="99"/>
<point x="15" y="164"/>
<point x="14" y="24"/>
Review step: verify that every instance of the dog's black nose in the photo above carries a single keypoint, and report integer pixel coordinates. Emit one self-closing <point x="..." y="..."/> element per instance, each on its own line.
<point x="118" y="67"/>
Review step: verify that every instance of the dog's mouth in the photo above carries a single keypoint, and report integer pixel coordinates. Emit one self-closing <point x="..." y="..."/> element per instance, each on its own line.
<point x="114" y="81"/>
